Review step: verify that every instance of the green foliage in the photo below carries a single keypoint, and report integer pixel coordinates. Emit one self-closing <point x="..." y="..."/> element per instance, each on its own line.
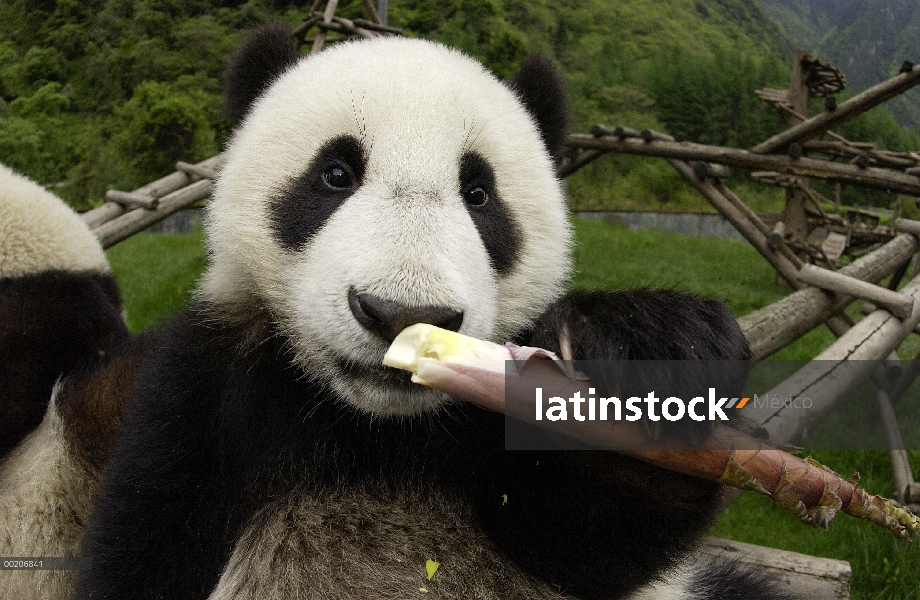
<point x="478" y="27"/>
<point x="110" y="93"/>
<point x="718" y="86"/>
<point x="160" y="125"/>
<point x="31" y="139"/>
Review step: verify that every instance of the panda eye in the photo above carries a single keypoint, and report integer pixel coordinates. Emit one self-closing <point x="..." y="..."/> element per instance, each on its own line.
<point x="338" y="178"/>
<point x="477" y="197"/>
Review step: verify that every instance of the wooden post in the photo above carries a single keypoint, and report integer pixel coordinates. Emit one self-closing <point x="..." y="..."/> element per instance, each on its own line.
<point x="794" y="211"/>
<point x="320" y="38"/>
<point x="753" y="232"/>
<point x="155" y="189"/>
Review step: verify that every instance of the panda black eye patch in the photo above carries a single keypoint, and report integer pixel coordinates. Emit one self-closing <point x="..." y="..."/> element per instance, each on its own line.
<point x="498" y="232"/>
<point x="306" y="202"/>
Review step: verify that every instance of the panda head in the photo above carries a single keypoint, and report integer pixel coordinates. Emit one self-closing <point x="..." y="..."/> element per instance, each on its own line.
<point x="381" y="183"/>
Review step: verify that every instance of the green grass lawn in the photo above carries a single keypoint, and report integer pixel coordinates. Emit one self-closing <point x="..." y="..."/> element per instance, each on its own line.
<point x="157" y="272"/>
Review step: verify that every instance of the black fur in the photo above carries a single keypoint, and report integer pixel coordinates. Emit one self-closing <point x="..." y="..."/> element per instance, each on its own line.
<point x="730" y="580"/>
<point x="264" y="55"/>
<point x="652" y="325"/>
<point x="543" y="93"/>
<point x="233" y="427"/>
<point x="78" y="321"/>
<point x="499" y="233"/>
<point x="301" y="208"/>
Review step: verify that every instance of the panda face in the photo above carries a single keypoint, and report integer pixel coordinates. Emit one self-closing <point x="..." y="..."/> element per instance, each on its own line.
<point x="377" y="184"/>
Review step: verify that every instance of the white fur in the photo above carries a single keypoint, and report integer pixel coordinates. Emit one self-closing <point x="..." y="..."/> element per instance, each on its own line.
<point x="39" y="232"/>
<point x="45" y="494"/>
<point x="405" y="234"/>
<point x="302" y="547"/>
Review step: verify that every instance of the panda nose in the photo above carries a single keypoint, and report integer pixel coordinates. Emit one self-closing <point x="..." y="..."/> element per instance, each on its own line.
<point x="387" y="318"/>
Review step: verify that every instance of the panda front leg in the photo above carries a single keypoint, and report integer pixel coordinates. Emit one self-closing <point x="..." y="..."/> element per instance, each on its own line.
<point x="598" y="524"/>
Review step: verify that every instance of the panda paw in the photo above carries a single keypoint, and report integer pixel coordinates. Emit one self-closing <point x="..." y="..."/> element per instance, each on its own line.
<point x="648" y="325"/>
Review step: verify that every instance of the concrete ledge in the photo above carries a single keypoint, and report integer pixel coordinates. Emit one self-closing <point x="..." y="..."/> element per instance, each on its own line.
<point x="694" y="224"/>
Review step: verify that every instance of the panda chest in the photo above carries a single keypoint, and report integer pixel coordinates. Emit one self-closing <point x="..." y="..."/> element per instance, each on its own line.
<point x="358" y="544"/>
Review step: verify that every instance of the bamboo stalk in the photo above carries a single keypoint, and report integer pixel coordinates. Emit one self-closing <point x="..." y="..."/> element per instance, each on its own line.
<point x="474" y="370"/>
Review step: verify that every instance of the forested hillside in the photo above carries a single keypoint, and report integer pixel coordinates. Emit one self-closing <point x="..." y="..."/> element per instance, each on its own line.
<point x="106" y="94"/>
<point x="868" y="39"/>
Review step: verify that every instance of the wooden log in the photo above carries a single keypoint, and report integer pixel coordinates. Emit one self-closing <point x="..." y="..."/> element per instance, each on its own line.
<point x="781" y="323"/>
<point x="345" y="26"/>
<point x="900" y="465"/>
<point x="713" y="170"/>
<point x="320" y="38"/>
<point x="907" y="226"/>
<point x="775" y="239"/>
<point x="835" y="371"/>
<point x="853" y="149"/>
<point x="624" y="132"/>
<point x="377" y="26"/>
<point x="301" y="30"/>
<point x="799" y="575"/>
<point x="131" y="200"/>
<point x="586" y="156"/>
<point x="372" y="11"/>
<point x="139" y="219"/>
<point x="913" y="171"/>
<point x="845" y="111"/>
<point x="155" y="189"/>
<point x="650" y="135"/>
<point x="739" y="219"/>
<point x="756" y="220"/>
<point x="599" y="129"/>
<point x="873" y="177"/>
<point x="897" y="304"/>
<point x="196" y="170"/>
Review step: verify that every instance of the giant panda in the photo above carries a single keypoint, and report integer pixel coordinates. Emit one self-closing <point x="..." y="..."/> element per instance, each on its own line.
<point x="266" y="453"/>
<point x="61" y="318"/>
<point x="59" y="303"/>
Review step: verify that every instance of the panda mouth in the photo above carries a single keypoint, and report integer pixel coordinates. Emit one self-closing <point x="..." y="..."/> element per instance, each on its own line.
<point x="377" y="375"/>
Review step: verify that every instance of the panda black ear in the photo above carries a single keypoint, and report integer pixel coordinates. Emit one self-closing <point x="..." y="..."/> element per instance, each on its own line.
<point x="543" y="93"/>
<point x="265" y="53"/>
